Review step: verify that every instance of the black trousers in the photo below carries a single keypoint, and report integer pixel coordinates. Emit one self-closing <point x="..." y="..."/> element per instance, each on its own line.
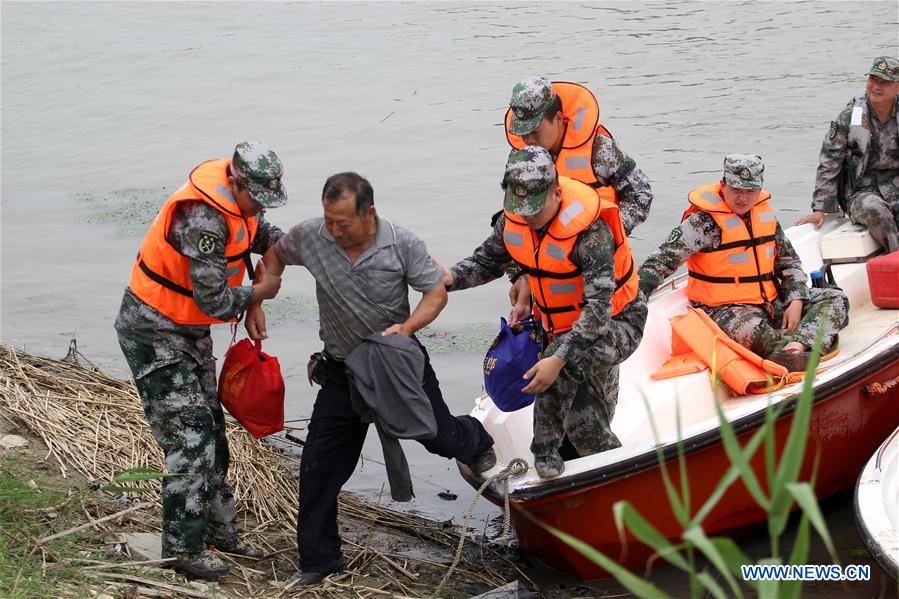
<point x="333" y="446"/>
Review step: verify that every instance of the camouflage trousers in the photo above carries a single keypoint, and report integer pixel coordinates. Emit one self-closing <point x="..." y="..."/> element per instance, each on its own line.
<point x="880" y="216"/>
<point x="180" y="402"/>
<point x="753" y="327"/>
<point x="581" y="403"/>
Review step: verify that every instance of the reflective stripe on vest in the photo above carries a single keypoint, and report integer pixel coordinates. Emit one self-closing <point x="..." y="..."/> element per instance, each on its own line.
<point x="160" y="276"/>
<point x="557" y="283"/>
<point x="741" y="269"/>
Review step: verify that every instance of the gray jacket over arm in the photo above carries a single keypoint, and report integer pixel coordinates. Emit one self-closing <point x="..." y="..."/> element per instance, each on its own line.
<point x="385" y="375"/>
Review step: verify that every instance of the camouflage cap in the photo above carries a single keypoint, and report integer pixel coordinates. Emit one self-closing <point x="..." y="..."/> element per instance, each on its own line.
<point x="256" y="166"/>
<point x="529" y="174"/>
<point x="885" y="67"/>
<point x="743" y="171"/>
<point x="530" y="100"/>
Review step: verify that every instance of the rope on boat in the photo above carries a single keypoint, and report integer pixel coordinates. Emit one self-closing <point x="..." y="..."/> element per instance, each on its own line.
<point x="881" y="388"/>
<point x="514" y="468"/>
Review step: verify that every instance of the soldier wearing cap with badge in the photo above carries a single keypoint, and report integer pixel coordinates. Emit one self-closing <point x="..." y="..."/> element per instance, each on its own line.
<point x="188" y="275"/>
<point x="858" y="171"/>
<point x="573" y="246"/>
<point x="564" y="119"/>
<point x="743" y="271"/>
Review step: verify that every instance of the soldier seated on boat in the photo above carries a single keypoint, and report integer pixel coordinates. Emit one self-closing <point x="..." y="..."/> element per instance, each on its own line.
<point x="859" y="163"/>
<point x="574" y="249"/>
<point x="564" y="119"/>
<point x="744" y="272"/>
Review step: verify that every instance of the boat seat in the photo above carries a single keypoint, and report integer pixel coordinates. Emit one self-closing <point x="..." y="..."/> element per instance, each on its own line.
<point x="849" y="242"/>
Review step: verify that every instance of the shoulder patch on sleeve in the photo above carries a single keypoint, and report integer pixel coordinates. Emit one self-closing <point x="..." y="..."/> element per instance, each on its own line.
<point x="206" y="243"/>
<point x="675" y="234"/>
<point x="833" y="130"/>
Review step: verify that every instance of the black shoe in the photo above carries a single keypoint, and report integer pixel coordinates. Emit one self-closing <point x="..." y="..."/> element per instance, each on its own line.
<point x="205" y="565"/>
<point x="793" y="361"/>
<point x="484" y="462"/>
<point x="305" y="579"/>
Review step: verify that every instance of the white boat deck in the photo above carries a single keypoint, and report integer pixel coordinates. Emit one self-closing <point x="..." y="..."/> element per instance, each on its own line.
<point x="867" y="334"/>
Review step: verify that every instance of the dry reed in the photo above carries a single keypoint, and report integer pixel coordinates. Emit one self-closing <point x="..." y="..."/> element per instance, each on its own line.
<point x="93" y="424"/>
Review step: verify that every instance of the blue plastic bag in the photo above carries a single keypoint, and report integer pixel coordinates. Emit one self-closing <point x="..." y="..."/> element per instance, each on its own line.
<point x="509" y="357"/>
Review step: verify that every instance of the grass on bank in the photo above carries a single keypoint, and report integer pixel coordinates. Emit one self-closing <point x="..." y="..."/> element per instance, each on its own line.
<point x="31" y="507"/>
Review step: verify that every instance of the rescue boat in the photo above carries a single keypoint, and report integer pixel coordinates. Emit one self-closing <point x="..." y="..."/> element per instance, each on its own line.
<point x="877" y="505"/>
<point x="854" y="409"/>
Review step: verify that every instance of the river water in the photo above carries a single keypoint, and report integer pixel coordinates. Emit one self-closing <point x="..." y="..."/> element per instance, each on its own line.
<point x="107" y="106"/>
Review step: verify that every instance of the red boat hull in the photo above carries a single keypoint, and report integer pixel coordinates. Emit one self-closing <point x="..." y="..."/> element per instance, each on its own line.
<point x="847" y="425"/>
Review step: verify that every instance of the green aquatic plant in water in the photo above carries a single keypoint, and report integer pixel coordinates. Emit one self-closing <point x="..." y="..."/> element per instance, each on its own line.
<point x="722" y="553"/>
<point x="476" y="337"/>
<point x="286" y="309"/>
<point x="131" y="209"/>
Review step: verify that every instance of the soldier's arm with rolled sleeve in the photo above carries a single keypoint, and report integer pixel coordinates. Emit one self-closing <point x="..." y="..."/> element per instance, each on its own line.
<point x="696" y="233"/>
<point x="488" y="262"/>
<point x="193" y="222"/>
<point x="594" y="252"/>
<point x="788" y="269"/>
<point x="612" y="166"/>
<point x="833" y="154"/>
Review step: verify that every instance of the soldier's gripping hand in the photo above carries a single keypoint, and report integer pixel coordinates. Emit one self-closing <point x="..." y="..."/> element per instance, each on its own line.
<point x="267" y="285"/>
<point x="543" y="374"/>
<point x="254" y="321"/>
<point x="816" y="218"/>
<point x="520" y="298"/>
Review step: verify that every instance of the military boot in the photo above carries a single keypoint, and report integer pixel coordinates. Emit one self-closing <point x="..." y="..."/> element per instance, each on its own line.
<point x="237" y="546"/>
<point x="549" y="466"/>
<point x="206" y="565"/>
<point x="793" y="361"/>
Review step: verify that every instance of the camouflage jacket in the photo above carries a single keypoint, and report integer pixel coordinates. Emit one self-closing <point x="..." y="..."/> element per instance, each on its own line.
<point x="613" y="167"/>
<point x="698" y="233"/>
<point x="868" y="148"/>
<point x="593" y="252"/>
<point x="192" y="221"/>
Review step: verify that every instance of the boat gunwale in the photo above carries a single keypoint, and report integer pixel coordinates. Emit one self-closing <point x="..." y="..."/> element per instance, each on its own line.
<point x="699" y="441"/>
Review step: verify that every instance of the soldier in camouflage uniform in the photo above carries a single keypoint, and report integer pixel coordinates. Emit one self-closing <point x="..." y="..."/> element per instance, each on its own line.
<point x="576" y="379"/>
<point x="859" y="164"/>
<point x="783" y="330"/>
<point x="169" y="348"/>
<point x="539" y="118"/>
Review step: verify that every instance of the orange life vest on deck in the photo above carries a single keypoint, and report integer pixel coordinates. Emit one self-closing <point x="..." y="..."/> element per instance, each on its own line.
<point x="161" y="276"/>
<point x="580" y="112"/>
<point x="741" y="269"/>
<point x="557" y="283"/>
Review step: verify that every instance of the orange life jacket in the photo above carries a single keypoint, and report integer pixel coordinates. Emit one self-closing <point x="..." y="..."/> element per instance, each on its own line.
<point x="161" y="276"/>
<point x="698" y="343"/>
<point x="580" y="112"/>
<point x="557" y="283"/>
<point x="741" y="269"/>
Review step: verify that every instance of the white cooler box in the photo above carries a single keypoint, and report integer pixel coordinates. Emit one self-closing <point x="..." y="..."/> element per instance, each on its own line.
<point x="848" y="243"/>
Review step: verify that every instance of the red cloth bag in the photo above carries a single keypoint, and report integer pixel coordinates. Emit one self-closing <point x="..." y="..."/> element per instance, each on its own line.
<point x="252" y="389"/>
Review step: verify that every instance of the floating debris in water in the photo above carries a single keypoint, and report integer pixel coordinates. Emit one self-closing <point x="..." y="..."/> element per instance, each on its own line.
<point x="447" y="496"/>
